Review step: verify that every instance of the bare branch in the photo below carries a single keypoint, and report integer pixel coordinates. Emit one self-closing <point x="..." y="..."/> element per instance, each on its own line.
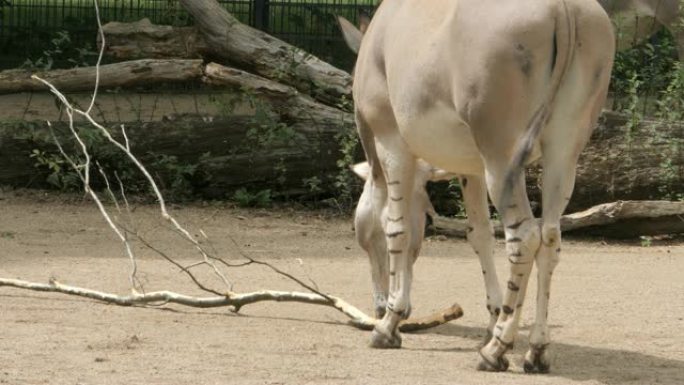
<point x="357" y="318"/>
<point x="99" y="57"/>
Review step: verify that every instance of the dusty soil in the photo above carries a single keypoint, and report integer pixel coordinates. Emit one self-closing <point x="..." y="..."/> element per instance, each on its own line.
<point x="617" y="312"/>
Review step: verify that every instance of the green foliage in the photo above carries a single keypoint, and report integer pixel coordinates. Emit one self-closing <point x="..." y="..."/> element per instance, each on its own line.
<point x="313" y="185"/>
<point x="62" y="52"/>
<point x="639" y="74"/>
<point x="457" y="196"/>
<point x="59" y="173"/>
<point x="345" y="180"/>
<point x="670" y="103"/>
<point x="245" y="198"/>
<point x="178" y="179"/>
<point x="648" y="83"/>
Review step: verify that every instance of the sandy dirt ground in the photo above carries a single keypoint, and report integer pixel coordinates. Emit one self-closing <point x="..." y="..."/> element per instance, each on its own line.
<point x="617" y="310"/>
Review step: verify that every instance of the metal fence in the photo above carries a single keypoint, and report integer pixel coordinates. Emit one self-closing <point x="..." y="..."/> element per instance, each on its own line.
<point x="34" y="29"/>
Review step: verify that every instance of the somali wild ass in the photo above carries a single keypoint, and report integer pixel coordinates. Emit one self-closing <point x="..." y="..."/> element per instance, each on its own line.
<point x="480" y="88"/>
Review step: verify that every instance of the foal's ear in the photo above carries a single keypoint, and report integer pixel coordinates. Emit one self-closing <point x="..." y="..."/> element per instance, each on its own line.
<point x="364" y="22"/>
<point x="362" y="170"/>
<point x="437" y="174"/>
<point x="352" y="35"/>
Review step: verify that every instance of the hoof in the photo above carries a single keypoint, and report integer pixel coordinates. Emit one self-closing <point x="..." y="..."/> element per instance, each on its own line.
<point x="382" y="341"/>
<point x="406" y="313"/>
<point x="380" y="312"/>
<point x="536" y="361"/>
<point x="499" y="364"/>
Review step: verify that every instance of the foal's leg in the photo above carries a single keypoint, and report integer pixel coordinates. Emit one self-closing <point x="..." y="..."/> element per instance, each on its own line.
<point x="481" y="238"/>
<point x="399" y="167"/>
<point x="371" y="238"/>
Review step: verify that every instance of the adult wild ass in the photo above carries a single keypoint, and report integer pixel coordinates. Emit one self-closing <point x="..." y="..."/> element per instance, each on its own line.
<point x="368" y="223"/>
<point x="634" y="17"/>
<point x="479" y="88"/>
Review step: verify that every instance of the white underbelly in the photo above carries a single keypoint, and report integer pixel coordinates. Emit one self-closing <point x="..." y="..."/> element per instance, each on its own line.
<point x="443" y="139"/>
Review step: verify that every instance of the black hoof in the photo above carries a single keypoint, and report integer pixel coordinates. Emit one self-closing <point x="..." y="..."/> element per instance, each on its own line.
<point x="536" y="361"/>
<point x="382" y="341"/>
<point x="495" y="365"/>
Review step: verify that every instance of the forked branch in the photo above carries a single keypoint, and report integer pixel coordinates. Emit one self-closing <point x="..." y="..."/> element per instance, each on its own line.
<point x="357" y="318"/>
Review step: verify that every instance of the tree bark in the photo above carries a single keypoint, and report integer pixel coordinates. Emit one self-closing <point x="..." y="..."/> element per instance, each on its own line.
<point x="143" y="39"/>
<point x="240" y="45"/>
<point x="126" y="74"/>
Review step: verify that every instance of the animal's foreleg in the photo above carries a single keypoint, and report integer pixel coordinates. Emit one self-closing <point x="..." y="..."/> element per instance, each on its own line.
<point x="522" y="243"/>
<point x="481" y="238"/>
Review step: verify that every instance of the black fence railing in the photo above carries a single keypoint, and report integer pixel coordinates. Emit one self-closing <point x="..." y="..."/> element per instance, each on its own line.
<point x="54" y="31"/>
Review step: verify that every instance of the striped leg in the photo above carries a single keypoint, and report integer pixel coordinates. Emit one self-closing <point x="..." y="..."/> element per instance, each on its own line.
<point x="522" y="243"/>
<point x="558" y="181"/>
<point x="399" y="167"/>
<point x="481" y="238"/>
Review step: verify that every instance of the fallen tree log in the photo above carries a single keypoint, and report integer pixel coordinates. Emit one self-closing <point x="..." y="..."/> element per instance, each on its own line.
<point x="134" y="73"/>
<point x="282" y="139"/>
<point x="293" y="133"/>
<point x="225" y="153"/>
<point x="221" y="37"/>
<point x="625" y="162"/>
<point x="286" y="100"/>
<point x="143" y="39"/>
<point x="621" y="219"/>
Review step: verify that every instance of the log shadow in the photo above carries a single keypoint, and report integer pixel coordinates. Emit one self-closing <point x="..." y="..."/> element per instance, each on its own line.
<point x="584" y="363"/>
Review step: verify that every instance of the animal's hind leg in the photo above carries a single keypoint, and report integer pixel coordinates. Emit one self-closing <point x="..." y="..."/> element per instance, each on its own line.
<point x="481" y="238"/>
<point x="522" y="242"/>
<point x="573" y="124"/>
<point x="399" y="167"/>
<point x="558" y="179"/>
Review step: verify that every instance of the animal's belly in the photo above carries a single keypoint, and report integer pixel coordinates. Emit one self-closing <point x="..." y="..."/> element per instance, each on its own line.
<point x="442" y="139"/>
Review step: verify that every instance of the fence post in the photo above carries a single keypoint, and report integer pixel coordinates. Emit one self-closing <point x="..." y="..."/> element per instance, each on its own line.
<point x="261" y="13"/>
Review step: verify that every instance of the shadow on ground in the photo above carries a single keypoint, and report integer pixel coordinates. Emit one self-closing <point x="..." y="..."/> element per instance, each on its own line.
<point x="583" y="363"/>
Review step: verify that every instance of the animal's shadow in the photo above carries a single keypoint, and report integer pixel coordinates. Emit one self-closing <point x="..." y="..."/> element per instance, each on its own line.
<point x="583" y="363"/>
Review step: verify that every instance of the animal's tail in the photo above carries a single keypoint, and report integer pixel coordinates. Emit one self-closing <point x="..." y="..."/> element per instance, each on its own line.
<point x="565" y="47"/>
